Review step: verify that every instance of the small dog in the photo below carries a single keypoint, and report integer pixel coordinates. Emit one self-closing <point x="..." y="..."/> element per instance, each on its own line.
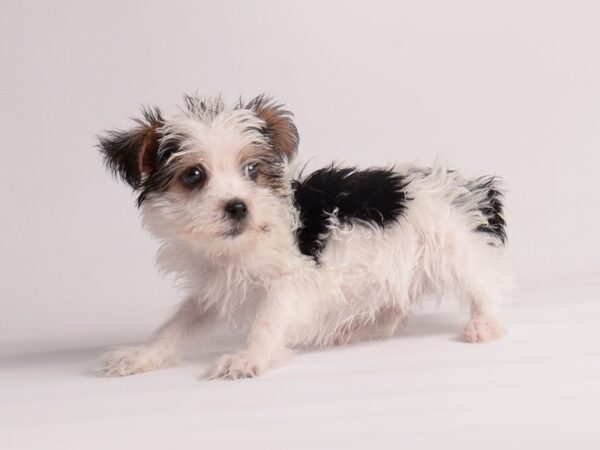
<point x="338" y="256"/>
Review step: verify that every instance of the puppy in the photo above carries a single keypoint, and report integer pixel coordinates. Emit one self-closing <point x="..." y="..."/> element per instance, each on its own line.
<point x="338" y="256"/>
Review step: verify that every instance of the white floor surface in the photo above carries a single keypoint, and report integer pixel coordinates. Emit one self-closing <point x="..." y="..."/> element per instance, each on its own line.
<point x="538" y="388"/>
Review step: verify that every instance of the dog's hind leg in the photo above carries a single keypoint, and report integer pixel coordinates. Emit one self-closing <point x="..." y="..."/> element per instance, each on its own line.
<point x="483" y="302"/>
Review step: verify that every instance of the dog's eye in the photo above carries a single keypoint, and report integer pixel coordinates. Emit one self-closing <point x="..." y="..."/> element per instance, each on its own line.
<point x="251" y="170"/>
<point x="194" y="177"/>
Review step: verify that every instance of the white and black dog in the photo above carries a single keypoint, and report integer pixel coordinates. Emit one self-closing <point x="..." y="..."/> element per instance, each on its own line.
<point x="338" y="256"/>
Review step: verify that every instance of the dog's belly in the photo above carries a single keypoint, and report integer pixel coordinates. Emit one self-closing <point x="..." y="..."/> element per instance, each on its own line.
<point x="372" y="266"/>
<point x="363" y="274"/>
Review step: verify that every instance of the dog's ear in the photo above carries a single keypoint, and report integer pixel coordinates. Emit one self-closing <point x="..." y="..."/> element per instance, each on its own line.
<point x="132" y="154"/>
<point x="279" y="126"/>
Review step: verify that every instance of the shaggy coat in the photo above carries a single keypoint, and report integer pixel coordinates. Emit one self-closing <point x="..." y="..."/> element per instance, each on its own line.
<point x="337" y="256"/>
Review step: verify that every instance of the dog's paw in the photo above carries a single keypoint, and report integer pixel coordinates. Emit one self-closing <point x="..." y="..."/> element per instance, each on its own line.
<point x="483" y="329"/>
<point x="235" y="366"/>
<point x="131" y="360"/>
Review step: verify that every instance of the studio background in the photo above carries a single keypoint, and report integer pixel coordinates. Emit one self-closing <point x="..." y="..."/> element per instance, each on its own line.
<point x="509" y="88"/>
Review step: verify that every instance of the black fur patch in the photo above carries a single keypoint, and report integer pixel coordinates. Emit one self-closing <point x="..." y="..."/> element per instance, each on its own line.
<point x="492" y="207"/>
<point x="373" y="195"/>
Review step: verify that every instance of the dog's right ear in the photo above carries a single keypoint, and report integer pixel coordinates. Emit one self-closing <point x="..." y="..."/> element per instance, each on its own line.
<point x="132" y="154"/>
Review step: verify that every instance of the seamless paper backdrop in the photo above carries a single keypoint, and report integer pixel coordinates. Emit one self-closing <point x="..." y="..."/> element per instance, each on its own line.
<point x="509" y="88"/>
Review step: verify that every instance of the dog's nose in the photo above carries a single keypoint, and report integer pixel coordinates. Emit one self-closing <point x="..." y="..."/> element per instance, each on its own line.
<point x="236" y="209"/>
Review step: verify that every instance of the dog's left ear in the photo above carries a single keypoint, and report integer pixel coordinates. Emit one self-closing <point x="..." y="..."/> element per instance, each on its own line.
<point x="131" y="154"/>
<point x="279" y="126"/>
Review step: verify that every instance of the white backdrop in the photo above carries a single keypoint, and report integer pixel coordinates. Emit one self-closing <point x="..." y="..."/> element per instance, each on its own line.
<point x="511" y="88"/>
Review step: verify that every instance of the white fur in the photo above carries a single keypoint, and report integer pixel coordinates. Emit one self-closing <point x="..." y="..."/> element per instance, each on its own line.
<point x="368" y="282"/>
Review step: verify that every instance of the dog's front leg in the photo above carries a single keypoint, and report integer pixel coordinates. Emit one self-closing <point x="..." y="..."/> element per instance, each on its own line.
<point x="166" y="345"/>
<point x="266" y="343"/>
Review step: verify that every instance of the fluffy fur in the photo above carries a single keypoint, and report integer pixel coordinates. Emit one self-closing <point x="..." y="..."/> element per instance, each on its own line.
<point x="338" y="256"/>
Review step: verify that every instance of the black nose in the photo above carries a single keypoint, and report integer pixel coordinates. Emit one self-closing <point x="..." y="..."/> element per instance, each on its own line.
<point x="236" y="209"/>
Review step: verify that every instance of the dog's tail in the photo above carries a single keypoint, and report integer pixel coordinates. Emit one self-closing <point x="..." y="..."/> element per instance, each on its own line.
<point x="488" y="199"/>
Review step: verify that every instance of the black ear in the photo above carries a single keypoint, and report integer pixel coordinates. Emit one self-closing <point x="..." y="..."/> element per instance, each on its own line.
<point x="132" y="154"/>
<point x="280" y="129"/>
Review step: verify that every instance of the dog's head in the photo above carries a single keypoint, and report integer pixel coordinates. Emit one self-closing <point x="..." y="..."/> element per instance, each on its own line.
<point x="214" y="176"/>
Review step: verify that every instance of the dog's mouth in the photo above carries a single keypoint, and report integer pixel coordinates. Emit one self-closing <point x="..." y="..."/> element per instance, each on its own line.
<point x="238" y="228"/>
<point x="235" y="230"/>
